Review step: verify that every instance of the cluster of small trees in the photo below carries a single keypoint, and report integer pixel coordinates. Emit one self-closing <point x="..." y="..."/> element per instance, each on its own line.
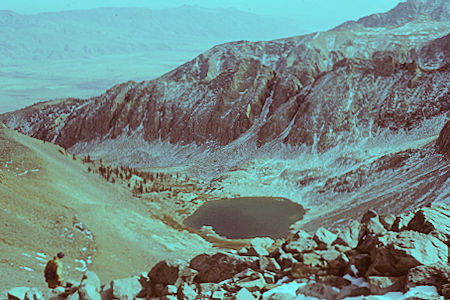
<point x="138" y="181"/>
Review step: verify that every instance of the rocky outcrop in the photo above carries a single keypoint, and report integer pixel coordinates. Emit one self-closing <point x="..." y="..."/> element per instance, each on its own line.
<point x="383" y="261"/>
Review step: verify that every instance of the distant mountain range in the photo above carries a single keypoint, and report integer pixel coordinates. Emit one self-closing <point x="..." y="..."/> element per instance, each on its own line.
<point x="104" y="31"/>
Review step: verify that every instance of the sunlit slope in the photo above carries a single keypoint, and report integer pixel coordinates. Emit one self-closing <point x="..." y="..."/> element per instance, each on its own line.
<point x="50" y="203"/>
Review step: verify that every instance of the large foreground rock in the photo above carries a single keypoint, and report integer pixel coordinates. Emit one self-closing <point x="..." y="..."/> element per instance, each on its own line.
<point x="434" y="219"/>
<point x="167" y="272"/>
<point x="395" y="253"/>
<point x="436" y="275"/>
<point x="221" y="266"/>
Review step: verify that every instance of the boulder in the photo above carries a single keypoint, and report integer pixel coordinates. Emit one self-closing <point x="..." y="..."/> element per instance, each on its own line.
<point x="295" y="234"/>
<point x="402" y="251"/>
<point x="361" y="262"/>
<point x="257" y="251"/>
<point x="324" y="238"/>
<point x="254" y="282"/>
<point x="269" y="264"/>
<point x="388" y="221"/>
<point x="125" y="289"/>
<point x="244" y="294"/>
<point x="371" y="224"/>
<point x="349" y="235"/>
<point x="89" y="287"/>
<point x="89" y="292"/>
<point x="280" y="296"/>
<point x="318" y="290"/>
<point x="33" y="294"/>
<point x="167" y="272"/>
<point x="402" y="221"/>
<point x="186" y="292"/>
<point x="286" y="260"/>
<point x="263" y="242"/>
<point x="352" y="291"/>
<point x="300" y="270"/>
<point x="333" y="280"/>
<point x="18" y="293"/>
<point x="380" y="285"/>
<point x="220" y="266"/>
<point x="433" y="219"/>
<point x="445" y="290"/>
<point x="436" y="275"/>
<point x="300" y="245"/>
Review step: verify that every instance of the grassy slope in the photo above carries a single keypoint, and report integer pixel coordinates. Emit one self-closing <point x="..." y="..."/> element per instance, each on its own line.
<point x="38" y="211"/>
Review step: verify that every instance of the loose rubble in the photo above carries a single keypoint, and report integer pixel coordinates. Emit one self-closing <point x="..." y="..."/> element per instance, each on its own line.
<point x="370" y="257"/>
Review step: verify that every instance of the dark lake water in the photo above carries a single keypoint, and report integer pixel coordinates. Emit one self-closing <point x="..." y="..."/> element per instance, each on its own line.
<point x="247" y="217"/>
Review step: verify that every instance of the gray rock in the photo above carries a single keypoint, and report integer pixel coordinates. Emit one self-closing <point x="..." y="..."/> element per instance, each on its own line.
<point x="432" y="219"/>
<point x="269" y="264"/>
<point x="286" y="260"/>
<point x="361" y="262"/>
<point x="353" y="291"/>
<point x="402" y="221"/>
<point x="295" y="233"/>
<point x="318" y="290"/>
<point x="18" y="293"/>
<point x="264" y="242"/>
<point x="436" y="275"/>
<point x="126" y="289"/>
<point x="446" y="290"/>
<point x="349" y="235"/>
<point x="244" y="294"/>
<point x="399" y="252"/>
<point x="220" y="266"/>
<point x="324" y="238"/>
<point x="89" y="287"/>
<point x="371" y="224"/>
<point x="89" y="292"/>
<point x="167" y="272"/>
<point x="281" y="296"/>
<point x="382" y="285"/>
<point x="257" y="251"/>
<point x="186" y="292"/>
<point x="33" y="294"/>
<point x="254" y="282"/>
<point x="300" y="245"/>
<point x="333" y="280"/>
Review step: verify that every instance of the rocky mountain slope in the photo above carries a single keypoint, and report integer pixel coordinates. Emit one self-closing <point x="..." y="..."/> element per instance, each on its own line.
<point x="50" y="202"/>
<point x="326" y="119"/>
<point x="320" y="89"/>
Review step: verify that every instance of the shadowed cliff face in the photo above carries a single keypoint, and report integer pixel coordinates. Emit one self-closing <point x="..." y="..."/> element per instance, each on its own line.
<point x="320" y="89"/>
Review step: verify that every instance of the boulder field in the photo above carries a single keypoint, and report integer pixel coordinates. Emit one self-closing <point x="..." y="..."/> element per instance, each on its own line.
<point x="373" y="256"/>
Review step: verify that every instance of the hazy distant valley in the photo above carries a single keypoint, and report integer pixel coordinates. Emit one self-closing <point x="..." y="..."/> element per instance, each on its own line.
<point x="82" y="53"/>
<point x="342" y="122"/>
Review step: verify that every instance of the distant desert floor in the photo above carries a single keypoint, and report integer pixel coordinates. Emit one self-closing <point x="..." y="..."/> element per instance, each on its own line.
<point x="27" y="82"/>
